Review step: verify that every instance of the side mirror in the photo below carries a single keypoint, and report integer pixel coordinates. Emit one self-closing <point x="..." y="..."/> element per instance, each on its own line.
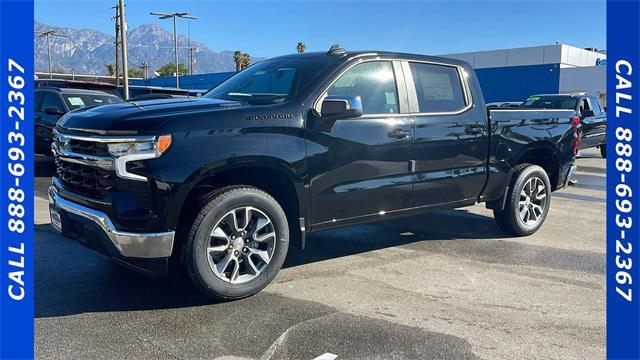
<point x="52" y="110"/>
<point x="341" y="107"/>
<point x="587" y="113"/>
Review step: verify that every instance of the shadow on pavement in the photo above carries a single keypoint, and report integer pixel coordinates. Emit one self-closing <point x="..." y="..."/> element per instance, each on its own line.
<point x="71" y="279"/>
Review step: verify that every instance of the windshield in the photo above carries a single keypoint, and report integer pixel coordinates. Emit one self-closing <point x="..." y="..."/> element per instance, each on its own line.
<point x="271" y="81"/>
<point x="550" y="102"/>
<point x="77" y="101"/>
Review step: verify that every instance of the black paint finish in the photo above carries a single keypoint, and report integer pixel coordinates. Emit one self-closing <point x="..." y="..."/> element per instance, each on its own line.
<point x="361" y="169"/>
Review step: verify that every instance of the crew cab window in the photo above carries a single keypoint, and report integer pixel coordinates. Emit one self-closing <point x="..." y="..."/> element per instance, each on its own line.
<point x="374" y="82"/>
<point x="438" y="88"/>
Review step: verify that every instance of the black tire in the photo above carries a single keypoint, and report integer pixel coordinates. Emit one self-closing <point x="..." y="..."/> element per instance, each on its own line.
<point x="213" y="209"/>
<point x="509" y="219"/>
<point x="603" y="151"/>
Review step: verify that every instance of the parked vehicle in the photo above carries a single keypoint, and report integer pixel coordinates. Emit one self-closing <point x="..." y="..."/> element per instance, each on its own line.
<point x="593" y="118"/>
<point x="138" y="90"/>
<point x="146" y="97"/>
<point x="293" y="145"/>
<point x="76" y="84"/>
<point x="504" y="104"/>
<point x="52" y="103"/>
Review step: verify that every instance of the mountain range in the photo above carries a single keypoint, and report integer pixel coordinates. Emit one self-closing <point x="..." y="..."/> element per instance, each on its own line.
<point x="86" y="51"/>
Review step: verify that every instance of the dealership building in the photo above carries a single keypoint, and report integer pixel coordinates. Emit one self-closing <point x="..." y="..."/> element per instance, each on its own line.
<point x="515" y="74"/>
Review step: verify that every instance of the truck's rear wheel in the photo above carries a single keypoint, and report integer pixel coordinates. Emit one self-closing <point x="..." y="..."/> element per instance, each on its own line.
<point x="237" y="243"/>
<point x="603" y="151"/>
<point x="527" y="202"/>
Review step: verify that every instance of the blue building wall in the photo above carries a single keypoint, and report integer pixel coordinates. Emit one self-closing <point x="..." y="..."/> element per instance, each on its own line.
<point x="196" y="82"/>
<point x="516" y="83"/>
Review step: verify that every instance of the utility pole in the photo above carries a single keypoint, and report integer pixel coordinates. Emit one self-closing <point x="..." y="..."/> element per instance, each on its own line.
<point x="191" y="61"/>
<point x="183" y="15"/>
<point x="145" y="70"/>
<point x="123" y="43"/>
<point x="117" y="43"/>
<point x="47" y="34"/>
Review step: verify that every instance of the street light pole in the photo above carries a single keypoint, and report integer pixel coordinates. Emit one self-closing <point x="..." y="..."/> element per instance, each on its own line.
<point x="49" y="56"/>
<point x="123" y="43"/>
<point x="183" y="15"/>
<point x="47" y="34"/>
<point x="117" y="43"/>
<point x="175" y="48"/>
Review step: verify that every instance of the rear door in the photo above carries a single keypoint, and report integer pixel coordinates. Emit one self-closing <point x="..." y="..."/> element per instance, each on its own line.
<point x="593" y="126"/>
<point x="359" y="167"/>
<point x="451" y="142"/>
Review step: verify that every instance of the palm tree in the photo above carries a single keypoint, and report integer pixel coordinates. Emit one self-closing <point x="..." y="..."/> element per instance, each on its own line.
<point x="301" y="47"/>
<point x="237" y="58"/>
<point x="245" y="61"/>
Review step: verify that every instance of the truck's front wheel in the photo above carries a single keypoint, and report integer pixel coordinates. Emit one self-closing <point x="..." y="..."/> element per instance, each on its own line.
<point x="237" y="243"/>
<point x="527" y="202"/>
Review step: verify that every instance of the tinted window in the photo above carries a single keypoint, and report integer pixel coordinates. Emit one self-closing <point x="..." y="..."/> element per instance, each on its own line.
<point x="38" y="100"/>
<point x="374" y="82"/>
<point x="550" y="102"/>
<point x="77" y="101"/>
<point x="51" y="99"/>
<point x="272" y="81"/>
<point x="438" y="88"/>
<point x="597" y="110"/>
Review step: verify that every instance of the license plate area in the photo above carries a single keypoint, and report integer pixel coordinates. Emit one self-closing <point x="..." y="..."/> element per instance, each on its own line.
<point x="56" y="220"/>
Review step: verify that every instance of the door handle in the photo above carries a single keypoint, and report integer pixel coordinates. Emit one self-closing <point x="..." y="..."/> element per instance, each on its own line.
<point x="399" y="134"/>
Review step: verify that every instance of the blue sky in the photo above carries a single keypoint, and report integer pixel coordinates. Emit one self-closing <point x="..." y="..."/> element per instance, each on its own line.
<point x="270" y="28"/>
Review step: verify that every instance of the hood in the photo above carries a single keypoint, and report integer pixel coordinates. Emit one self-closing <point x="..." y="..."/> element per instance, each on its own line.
<point x="139" y="117"/>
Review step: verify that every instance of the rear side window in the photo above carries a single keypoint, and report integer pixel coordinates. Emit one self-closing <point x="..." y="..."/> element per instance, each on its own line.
<point x="374" y="82"/>
<point x="438" y="88"/>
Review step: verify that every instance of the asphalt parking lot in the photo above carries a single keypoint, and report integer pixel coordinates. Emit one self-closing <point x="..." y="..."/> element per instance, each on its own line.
<point x="447" y="285"/>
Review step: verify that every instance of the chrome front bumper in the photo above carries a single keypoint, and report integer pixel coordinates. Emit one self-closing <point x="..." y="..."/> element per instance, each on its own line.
<point x="134" y="245"/>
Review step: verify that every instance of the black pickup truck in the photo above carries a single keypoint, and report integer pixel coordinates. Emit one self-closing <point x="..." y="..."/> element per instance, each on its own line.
<point x="587" y="109"/>
<point x="296" y="144"/>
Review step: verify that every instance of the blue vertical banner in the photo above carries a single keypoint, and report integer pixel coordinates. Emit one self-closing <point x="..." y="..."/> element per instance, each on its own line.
<point x="16" y="179"/>
<point x="623" y="182"/>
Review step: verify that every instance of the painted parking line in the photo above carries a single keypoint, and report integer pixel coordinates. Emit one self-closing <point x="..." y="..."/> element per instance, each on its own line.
<point x="326" y="356"/>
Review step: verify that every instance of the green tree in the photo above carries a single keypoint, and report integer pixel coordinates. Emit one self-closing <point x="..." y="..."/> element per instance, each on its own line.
<point x="237" y="58"/>
<point x="111" y="69"/>
<point x="301" y="47"/>
<point x="170" y="69"/>
<point x="242" y="60"/>
<point x="246" y="61"/>
<point x="138" y="73"/>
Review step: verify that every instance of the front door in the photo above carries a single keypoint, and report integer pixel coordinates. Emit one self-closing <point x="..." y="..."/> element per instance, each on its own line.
<point x="359" y="167"/>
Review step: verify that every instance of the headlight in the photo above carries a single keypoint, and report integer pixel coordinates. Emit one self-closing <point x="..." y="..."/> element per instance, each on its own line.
<point x="135" y="151"/>
<point x="157" y="147"/>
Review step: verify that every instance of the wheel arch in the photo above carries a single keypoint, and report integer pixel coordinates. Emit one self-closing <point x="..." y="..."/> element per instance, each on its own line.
<point x="273" y="176"/>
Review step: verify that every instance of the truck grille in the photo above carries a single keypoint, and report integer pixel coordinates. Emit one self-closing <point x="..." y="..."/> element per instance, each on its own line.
<point x="86" y="180"/>
<point x="89" y="147"/>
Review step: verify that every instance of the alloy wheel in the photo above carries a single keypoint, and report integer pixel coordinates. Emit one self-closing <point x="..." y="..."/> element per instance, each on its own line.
<point x="533" y="199"/>
<point x="241" y="245"/>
